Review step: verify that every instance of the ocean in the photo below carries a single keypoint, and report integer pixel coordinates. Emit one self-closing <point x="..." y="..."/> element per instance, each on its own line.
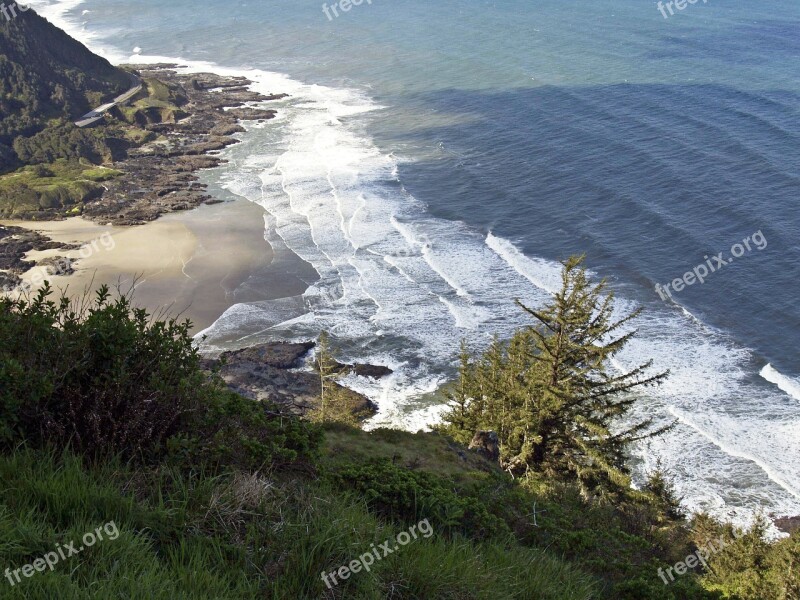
<point x="435" y="161"/>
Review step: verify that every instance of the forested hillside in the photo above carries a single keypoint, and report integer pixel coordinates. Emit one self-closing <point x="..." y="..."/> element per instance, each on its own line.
<point x="46" y="80"/>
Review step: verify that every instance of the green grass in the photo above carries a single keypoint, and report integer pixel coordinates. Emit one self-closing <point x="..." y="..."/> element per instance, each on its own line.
<point x="157" y="102"/>
<point x="63" y="185"/>
<point x="158" y="91"/>
<point x="139" y="136"/>
<point x="427" y="451"/>
<point x="237" y="536"/>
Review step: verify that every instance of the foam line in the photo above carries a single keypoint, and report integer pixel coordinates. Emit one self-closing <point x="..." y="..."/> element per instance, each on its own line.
<point x="538" y="273"/>
<point x="728" y="449"/>
<point x="786" y="384"/>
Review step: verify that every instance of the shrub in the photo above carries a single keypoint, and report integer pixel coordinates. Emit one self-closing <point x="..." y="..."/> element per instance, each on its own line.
<point x="104" y="379"/>
<point x="409" y="496"/>
<point x="235" y="432"/>
<point x="746" y="566"/>
<point x="41" y="171"/>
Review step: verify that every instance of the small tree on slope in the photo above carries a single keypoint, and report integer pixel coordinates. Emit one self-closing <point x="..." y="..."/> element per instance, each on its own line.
<point x="550" y="393"/>
<point x="335" y="404"/>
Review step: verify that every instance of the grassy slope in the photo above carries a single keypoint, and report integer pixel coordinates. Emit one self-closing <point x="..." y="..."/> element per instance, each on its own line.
<point x="240" y="537"/>
<point x="230" y="499"/>
<point x="61" y="185"/>
<point x="156" y="103"/>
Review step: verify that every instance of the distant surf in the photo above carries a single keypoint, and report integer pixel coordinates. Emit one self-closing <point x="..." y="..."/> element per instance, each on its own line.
<point x="787" y="384"/>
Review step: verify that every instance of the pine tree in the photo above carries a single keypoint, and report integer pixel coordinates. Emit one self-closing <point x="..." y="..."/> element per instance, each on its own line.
<point x="461" y="421"/>
<point x="580" y="397"/>
<point x="550" y="394"/>
<point x="335" y="403"/>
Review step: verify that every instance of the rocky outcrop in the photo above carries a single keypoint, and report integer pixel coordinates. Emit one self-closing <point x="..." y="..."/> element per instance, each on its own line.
<point x="281" y="355"/>
<point x="269" y="372"/>
<point x="159" y="175"/>
<point x="362" y="370"/>
<point x="788" y="524"/>
<point x="8" y="281"/>
<point x="486" y="444"/>
<point x="371" y="371"/>
<point x="15" y="242"/>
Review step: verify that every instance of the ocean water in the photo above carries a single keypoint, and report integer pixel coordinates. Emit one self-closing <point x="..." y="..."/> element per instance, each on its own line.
<point x="434" y="161"/>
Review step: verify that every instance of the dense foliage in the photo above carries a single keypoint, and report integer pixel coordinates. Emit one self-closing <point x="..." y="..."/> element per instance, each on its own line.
<point x="411" y="496"/>
<point x="104" y="379"/>
<point x="550" y="393"/>
<point x="39" y="82"/>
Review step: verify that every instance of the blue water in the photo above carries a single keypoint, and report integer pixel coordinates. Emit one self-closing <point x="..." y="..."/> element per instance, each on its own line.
<point x="443" y="156"/>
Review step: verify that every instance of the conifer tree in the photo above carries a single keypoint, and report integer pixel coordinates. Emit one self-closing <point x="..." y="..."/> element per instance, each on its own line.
<point x="461" y="419"/>
<point x="550" y="392"/>
<point x="335" y="404"/>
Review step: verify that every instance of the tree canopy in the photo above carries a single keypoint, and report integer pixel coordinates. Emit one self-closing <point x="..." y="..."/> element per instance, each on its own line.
<point x="551" y="393"/>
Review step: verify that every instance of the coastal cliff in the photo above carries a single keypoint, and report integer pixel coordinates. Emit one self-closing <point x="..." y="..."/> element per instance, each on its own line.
<point x="221" y="478"/>
<point x="46" y="75"/>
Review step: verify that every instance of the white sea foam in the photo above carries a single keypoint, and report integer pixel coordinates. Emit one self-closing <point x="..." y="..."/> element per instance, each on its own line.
<point x="399" y="287"/>
<point x="722" y="440"/>
<point x="787" y="384"/>
<point x="544" y="275"/>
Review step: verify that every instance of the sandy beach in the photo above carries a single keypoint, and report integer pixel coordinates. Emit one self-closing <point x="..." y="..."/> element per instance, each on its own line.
<point x="196" y="263"/>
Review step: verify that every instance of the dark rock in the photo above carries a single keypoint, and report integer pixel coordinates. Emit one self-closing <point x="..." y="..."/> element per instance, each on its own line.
<point x="57" y="265"/>
<point x="227" y="129"/>
<point x="8" y="281"/>
<point x="16" y="242"/>
<point x="281" y="355"/>
<point x="252" y="114"/>
<point x="487" y="444"/>
<point x="264" y="373"/>
<point x="788" y="524"/>
<point x="373" y="371"/>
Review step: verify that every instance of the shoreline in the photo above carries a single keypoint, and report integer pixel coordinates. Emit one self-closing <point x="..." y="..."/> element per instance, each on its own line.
<point x="193" y="263"/>
<point x="164" y="234"/>
<point x="196" y="263"/>
<point x="181" y="63"/>
<point x="177" y="239"/>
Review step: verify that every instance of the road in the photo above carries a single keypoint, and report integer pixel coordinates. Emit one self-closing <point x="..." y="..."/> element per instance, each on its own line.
<point x="95" y="115"/>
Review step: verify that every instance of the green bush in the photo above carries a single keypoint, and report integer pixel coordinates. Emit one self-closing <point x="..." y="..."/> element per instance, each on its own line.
<point x="231" y="431"/>
<point x="746" y="566"/>
<point x="104" y="379"/>
<point x="411" y="496"/>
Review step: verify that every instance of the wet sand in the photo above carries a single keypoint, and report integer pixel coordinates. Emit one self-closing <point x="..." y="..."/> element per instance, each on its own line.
<point x="196" y="263"/>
